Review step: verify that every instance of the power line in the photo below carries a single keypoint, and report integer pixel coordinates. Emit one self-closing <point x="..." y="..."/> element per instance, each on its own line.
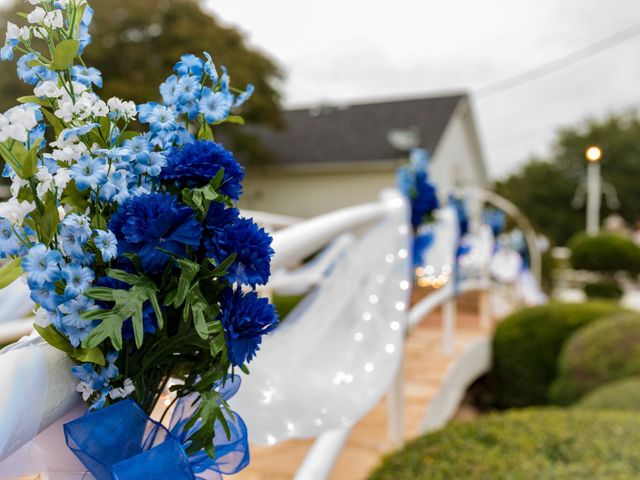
<point x="559" y="63"/>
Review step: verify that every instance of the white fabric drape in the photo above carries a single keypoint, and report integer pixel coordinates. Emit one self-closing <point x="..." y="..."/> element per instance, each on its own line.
<point x="334" y="357"/>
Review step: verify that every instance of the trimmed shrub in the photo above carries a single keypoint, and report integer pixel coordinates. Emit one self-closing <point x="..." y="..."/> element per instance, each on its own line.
<point x="618" y="395"/>
<point x="536" y="443"/>
<point x="526" y="347"/>
<point x="604" y="289"/>
<point x="600" y="353"/>
<point x="605" y="252"/>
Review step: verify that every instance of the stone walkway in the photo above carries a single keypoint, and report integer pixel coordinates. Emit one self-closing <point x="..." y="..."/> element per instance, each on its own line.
<point x="425" y="366"/>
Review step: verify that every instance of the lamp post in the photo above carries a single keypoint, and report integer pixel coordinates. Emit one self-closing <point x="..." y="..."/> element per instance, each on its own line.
<point x="594" y="189"/>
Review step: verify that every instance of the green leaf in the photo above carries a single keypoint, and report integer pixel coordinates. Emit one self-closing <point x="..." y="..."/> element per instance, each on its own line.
<point x="221" y="269"/>
<point x="10" y="272"/>
<point x="100" y="293"/>
<point x="30" y="163"/>
<point x="188" y="270"/>
<point x="64" y="54"/>
<point x="37" y="100"/>
<point x="153" y="299"/>
<point x="235" y="119"/>
<point x="74" y="198"/>
<point x="123" y="276"/>
<point x="128" y="135"/>
<point x="205" y="132"/>
<point x="14" y="154"/>
<point x="54" y="121"/>
<point x="209" y="411"/>
<point x="60" y="342"/>
<point x="47" y="221"/>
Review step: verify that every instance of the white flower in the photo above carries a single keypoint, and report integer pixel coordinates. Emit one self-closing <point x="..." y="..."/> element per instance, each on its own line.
<point x="14" y="131"/>
<point x="62" y="178"/>
<point x="25" y="117"/>
<point x="46" y="181"/>
<point x="124" y="392"/>
<point x="16" y="184"/>
<point x="48" y="89"/>
<point x="85" y="389"/>
<point x="100" y="109"/>
<point x="35" y="2"/>
<point x="54" y="19"/>
<point x="122" y="109"/>
<point x="15" y="211"/>
<point x="37" y="16"/>
<point x="16" y="33"/>
<point x="42" y="317"/>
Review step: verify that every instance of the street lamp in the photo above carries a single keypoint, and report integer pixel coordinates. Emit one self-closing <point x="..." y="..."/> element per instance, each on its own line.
<point x="593" y="155"/>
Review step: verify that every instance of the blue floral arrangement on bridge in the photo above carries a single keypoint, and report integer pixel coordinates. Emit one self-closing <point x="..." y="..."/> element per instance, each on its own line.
<point x="413" y="181"/>
<point x="143" y="269"/>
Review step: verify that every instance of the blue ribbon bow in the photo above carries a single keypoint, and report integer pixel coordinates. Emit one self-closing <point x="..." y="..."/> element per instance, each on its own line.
<point x="121" y="442"/>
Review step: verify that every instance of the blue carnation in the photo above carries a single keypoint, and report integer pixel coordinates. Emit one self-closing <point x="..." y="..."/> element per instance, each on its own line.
<point x="196" y="164"/>
<point x="227" y="233"/>
<point x="245" y="319"/>
<point x="424" y="200"/>
<point x="149" y="222"/>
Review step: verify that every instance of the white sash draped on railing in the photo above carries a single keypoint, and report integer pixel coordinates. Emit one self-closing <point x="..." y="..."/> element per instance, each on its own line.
<point x="335" y="356"/>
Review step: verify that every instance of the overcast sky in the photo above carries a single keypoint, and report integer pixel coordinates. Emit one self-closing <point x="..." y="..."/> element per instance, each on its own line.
<point x="353" y="50"/>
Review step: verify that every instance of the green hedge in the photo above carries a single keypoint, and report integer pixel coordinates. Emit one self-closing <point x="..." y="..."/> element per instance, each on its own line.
<point x="600" y="353"/>
<point x="604" y="289"/>
<point x="606" y="252"/>
<point x="526" y="347"/>
<point x="542" y="443"/>
<point x="619" y="395"/>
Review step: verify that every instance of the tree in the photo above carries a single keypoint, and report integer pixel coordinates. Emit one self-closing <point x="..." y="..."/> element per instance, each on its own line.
<point x="544" y="189"/>
<point x="137" y="42"/>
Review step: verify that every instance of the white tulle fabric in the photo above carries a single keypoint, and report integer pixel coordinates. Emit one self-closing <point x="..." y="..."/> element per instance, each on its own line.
<point x="475" y="263"/>
<point x="335" y="355"/>
<point x="15" y="302"/>
<point x="35" y="386"/>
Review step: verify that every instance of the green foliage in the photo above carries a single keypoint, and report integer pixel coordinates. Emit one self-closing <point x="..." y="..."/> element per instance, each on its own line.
<point x="544" y="189"/>
<point x="59" y="341"/>
<point x="604" y="289"/>
<point x="526" y="347"/>
<point x="528" y="444"/>
<point x="619" y="395"/>
<point x="606" y="252"/>
<point x="10" y="272"/>
<point x="605" y="351"/>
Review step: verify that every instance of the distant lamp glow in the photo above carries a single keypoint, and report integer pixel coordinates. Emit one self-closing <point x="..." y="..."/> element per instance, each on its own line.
<point x="593" y="154"/>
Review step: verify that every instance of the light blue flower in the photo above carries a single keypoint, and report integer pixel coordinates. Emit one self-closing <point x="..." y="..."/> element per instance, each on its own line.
<point x="33" y="75"/>
<point x="116" y="188"/>
<point x="6" y="53"/>
<point x="83" y="32"/>
<point x="107" y="243"/>
<point x="80" y="225"/>
<point x="215" y="106"/>
<point x="168" y="90"/>
<point x="89" y="172"/>
<point x="87" y="76"/>
<point x="162" y="118"/>
<point x="77" y="278"/>
<point x="9" y="243"/>
<point x="45" y="294"/>
<point x="188" y="89"/>
<point x="70" y="313"/>
<point x="244" y="96"/>
<point x="42" y="265"/>
<point x="210" y="68"/>
<point x="79" y="131"/>
<point x="149" y="163"/>
<point x="189" y="65"/>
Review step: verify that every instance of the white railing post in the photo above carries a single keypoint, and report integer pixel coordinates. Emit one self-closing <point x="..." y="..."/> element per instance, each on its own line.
<point x="395" y="408"/>
<point x="449" y="312"/>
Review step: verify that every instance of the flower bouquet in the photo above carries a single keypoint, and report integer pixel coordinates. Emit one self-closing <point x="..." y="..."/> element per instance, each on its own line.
<point x="123" y="219"/>
<point x="413" y="181"/>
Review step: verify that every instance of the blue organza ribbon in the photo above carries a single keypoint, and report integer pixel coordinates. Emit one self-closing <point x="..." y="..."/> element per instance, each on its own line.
<point x="121" y="442"/>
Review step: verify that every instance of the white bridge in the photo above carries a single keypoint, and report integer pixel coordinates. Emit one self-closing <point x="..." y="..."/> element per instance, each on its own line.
<point x="330" y="362"/>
